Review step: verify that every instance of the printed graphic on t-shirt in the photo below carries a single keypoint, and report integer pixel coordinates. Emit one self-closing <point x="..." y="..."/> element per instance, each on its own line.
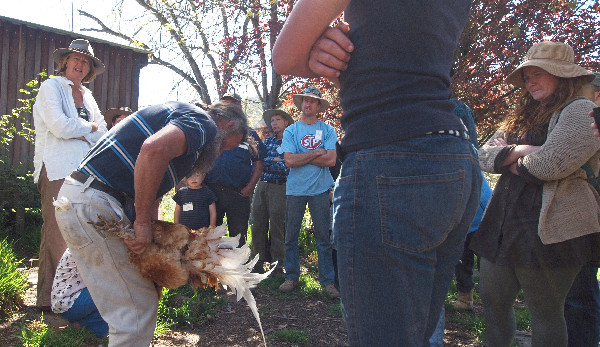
<point x="310" y="142"/>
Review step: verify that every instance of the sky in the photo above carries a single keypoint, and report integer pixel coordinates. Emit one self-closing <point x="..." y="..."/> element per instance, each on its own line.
<point x="155" y="82"/>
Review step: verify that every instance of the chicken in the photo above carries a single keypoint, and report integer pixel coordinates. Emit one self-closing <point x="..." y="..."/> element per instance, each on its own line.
<point x="178" y="255"/>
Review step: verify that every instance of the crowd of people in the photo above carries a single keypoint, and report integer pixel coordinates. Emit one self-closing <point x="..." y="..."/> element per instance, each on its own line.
<point x="411" y="206"/>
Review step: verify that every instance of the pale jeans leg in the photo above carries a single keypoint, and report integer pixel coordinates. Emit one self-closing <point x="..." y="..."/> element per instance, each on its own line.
<point x="127" y="301"/>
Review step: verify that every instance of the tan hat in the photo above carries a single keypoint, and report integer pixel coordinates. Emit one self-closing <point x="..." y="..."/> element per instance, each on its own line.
<point x="556" y="58"/>
<point x="311" y="92"/>
<point x="268" y="114"/>
<point x="80" y="46"/>
<point x="113" y="112"/>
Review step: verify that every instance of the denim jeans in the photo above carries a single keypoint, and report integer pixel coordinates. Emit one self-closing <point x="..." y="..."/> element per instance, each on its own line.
<point x="318" y="206"/>
<point x="401" y="213"/>
<point x="84" y="312"/>
<point x="437" y="338"/>
<point x="582" y="309"/>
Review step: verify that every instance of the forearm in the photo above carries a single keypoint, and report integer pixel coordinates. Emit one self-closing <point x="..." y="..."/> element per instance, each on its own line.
<point x="299" y="159"/>
<point x="148" y="173"/>
<point x="212" y="210"/>
<point x="301" y="30"/>
<point x="256" y="172"/>
<point x="176" y="214"/>
<point x="326" y="160"/>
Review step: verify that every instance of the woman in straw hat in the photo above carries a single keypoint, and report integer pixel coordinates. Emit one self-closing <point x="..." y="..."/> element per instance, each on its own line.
<point x="542" y="222"/>
<point x="67" y="124"/>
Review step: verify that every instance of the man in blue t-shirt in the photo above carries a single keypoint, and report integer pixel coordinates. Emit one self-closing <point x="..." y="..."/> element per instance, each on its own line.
<point x="134" y="164"/>
<point x="308" y="148"/>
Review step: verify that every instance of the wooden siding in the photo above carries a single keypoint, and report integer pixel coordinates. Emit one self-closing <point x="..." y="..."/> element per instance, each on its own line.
<point x="26" y="49"/>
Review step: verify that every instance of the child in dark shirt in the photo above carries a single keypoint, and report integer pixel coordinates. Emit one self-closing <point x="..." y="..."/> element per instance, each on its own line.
<point x="196" y="206"/>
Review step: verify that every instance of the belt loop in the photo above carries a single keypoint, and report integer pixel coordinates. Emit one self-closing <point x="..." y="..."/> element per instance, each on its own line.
<point x="87" y="183"/>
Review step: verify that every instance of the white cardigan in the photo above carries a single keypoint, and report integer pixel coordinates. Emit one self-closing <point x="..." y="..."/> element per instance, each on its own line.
<point x="57" y="127"/>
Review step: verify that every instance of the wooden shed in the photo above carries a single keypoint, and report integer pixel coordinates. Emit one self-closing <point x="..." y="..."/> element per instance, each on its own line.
<point x="26" y="49"/>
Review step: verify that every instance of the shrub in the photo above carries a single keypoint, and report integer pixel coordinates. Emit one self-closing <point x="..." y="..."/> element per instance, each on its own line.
<point x="13" y="282"/>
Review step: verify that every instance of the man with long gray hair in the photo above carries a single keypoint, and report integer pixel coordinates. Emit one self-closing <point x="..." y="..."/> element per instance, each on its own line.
<point x="123" y="178"/>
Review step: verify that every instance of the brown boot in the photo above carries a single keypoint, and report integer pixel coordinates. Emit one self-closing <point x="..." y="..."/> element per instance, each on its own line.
<point x="288" y="286"/>
<point x="465" y="301"/>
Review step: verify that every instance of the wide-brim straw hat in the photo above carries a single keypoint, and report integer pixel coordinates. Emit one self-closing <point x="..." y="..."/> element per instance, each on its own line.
<point x="311" y="92"/>
<point x="268" y="114"/>
<point x="80" y="46"/>
<point x="556" y="58"/>
<point x="112" y="112"/>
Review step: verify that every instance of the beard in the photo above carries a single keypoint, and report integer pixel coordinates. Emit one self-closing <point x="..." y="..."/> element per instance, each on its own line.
<point x="209" y="154"/>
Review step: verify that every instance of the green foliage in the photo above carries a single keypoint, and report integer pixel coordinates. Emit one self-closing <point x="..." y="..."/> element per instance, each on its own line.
<point x="38" y="334"/>
<point x="26" y="243"/>
<point x="523" y="318"/>
<point x="16" y="124"/>
<point x="17" y="191"/>
<point x="291" y="336"/>
<point x="309" y="285"/>
<point x="13" y="282"/>
<point x="167" y="206"/>
<point x="335" y="310"/>
<point x="185" y="307"/>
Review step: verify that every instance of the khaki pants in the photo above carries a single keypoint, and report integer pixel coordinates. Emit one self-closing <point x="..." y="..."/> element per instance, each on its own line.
<point x="52" y="245"/>
<point x="268" y="221"/>
<point x="127" y="301"/>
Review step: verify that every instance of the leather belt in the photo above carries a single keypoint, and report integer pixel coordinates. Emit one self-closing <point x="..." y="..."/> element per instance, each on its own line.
<point x="99" y="185"/>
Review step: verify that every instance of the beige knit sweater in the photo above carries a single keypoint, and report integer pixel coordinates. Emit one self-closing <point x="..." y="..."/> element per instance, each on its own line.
<point x="570" y="205"/>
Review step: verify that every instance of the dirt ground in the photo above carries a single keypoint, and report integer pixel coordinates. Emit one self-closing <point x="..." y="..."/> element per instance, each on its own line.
<point x="234" y="325"/>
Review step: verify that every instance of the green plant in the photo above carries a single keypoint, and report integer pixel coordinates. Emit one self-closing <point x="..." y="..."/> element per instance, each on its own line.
<point x="37" y="334"/>
<point x="523" y="318"/>
<point x="13" y="282"/>
<point x="291" y="336"/>
<point x="185" y="307"/>
<point x="335" y="310"/>
<point x="16" y="123"/>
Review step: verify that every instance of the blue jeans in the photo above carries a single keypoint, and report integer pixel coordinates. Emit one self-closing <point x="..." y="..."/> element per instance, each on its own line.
<point x="318" y="206"/>
<point x="582" y="309"/>
<point x="401" y="213"/>
<point x="85" y="313"/>
<point x="437" y="338"/>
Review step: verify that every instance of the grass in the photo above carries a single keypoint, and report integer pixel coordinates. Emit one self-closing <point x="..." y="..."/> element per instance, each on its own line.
<point x="13" y="282"/>
<point x="291" y="336"/>
<point x="37" y="334"/>
<point x="184" y="307"/>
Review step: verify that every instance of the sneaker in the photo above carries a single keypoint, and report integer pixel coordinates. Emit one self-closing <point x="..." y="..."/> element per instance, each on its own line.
<point x="288" y="286"/>
<point x="333" y="293"/>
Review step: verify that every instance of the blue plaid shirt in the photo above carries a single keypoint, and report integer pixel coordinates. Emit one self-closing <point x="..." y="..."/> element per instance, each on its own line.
<point x="273" y="171"/>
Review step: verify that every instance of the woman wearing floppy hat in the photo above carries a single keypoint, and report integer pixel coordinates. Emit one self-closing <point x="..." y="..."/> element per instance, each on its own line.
<point x="542" y="222"/>
<point x="67" y="123"/>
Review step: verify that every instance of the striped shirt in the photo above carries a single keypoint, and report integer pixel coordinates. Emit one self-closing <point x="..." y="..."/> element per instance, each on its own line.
<point x="112" y="159"/>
